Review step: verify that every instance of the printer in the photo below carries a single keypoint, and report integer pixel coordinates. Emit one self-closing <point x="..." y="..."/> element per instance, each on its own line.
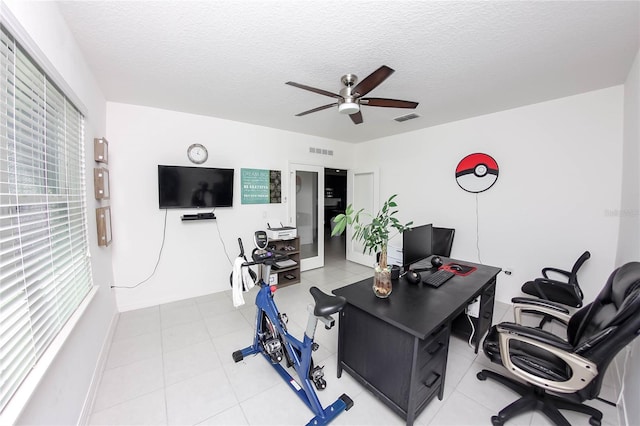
<point x="284" y="233"/>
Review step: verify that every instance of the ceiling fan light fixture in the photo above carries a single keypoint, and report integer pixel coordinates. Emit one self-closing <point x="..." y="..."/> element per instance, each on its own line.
<point x="348" y="108"/>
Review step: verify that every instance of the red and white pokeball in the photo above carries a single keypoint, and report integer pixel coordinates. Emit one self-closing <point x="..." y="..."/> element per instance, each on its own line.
<point x="477" y="172"/>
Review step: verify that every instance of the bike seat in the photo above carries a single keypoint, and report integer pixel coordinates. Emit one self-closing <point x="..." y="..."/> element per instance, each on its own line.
<point x="325" y="303"/>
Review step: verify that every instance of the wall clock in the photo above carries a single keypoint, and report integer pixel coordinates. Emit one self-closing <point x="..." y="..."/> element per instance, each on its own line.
<point x="197" y="153"/>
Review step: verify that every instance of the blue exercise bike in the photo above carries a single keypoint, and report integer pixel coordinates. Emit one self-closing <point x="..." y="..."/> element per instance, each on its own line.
<point x="272" y="340"/>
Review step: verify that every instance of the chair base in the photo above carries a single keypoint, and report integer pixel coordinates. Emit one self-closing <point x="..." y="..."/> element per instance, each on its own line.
<point x="534" y="398"/>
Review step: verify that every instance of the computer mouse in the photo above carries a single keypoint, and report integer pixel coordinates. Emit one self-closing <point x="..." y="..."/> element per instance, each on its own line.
<point x="413" y="277"/>
<point x="455" y="267"/>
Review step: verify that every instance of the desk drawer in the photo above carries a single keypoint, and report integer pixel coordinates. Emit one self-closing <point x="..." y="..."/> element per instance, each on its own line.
<point x="489" y="292"/>
<point x="433" y="348"/>
<point x="430" y="379"/>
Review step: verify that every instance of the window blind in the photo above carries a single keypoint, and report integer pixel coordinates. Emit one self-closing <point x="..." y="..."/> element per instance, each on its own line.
<point x="44" y="267"/>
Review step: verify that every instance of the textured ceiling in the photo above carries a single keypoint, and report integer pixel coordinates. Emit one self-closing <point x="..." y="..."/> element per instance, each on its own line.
<point x="231" y="58"/>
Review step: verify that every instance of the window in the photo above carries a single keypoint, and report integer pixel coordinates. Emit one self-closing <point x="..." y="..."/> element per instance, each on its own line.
<point x="44" y="267"/>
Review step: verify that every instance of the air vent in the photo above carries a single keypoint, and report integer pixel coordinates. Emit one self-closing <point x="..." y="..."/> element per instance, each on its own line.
<point x="406" y="117"/>
<point x="321" y="151"/>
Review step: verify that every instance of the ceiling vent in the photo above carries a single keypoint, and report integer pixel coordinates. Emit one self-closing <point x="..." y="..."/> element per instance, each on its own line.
<point x="406" y="117"/>
<point x="320" y="151"/>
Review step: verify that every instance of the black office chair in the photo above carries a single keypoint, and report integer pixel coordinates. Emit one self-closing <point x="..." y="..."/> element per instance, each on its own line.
<point x="442" y="241"/>
<point x="567" y="292"/>
<point x="559" y="373"/>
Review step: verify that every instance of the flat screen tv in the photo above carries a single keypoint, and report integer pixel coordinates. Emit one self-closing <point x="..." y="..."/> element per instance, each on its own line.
<point x="416" y="244"/>
<point x="194" y="187"/>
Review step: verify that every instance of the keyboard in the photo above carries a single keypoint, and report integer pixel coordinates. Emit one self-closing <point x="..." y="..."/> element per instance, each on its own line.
<point x="438" y="278"/>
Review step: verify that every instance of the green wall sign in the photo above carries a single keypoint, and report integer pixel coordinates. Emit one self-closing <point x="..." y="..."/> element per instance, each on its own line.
<point x="260" y="186"/>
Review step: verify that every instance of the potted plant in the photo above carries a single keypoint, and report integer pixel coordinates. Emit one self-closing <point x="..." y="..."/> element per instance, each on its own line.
<point x="375" y="235"/>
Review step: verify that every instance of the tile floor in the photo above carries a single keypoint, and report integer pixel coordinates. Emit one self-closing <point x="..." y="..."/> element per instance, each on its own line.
<point x="171" y="365"/>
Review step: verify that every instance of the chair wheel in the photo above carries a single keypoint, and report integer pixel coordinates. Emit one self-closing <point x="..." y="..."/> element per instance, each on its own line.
<point x="594" y="422"/>
<point x="481" y="376"/>
<point x="496" y="421"/>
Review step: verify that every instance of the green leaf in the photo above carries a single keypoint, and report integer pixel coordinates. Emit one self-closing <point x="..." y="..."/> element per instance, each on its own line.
<point x="339" y="229"/>
<point x="372" y="231"/>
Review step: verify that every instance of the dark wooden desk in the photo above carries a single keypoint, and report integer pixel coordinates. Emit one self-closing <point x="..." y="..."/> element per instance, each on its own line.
<point x="397" y="347"/>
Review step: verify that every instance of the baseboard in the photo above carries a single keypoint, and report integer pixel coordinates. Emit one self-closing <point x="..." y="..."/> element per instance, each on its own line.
<point x="126" y="307"/>
<point x="87" y="407"/>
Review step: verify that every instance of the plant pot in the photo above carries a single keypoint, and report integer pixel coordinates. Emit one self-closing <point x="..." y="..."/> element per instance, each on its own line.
<point x="382" y="281"/>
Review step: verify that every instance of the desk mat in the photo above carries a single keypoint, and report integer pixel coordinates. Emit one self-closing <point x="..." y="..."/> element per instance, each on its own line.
<point x="466" y="270"/>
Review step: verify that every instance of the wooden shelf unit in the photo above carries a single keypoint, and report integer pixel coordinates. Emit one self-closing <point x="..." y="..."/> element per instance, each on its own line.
<point x="294" y="255"/>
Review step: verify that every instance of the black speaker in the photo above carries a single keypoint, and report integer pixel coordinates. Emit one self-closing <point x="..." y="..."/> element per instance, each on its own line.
<point x="395" y="272"/>
<point x="436" y="261"/>
<point x="413" y="277"/>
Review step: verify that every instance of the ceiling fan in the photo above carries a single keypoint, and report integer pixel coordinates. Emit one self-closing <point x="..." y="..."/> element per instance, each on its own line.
<point x="351" y="96"/>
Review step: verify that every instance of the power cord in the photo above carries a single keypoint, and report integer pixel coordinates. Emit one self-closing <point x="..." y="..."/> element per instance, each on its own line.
<point x="473" y="329"/>
<point x="478" y="230"/>
<point x="224" y="247"/>
<point x="164" y="234"/>
<point x="627" y="358"/>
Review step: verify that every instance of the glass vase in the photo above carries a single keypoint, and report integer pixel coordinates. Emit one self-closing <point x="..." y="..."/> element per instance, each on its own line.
<point x="382" y="281"/>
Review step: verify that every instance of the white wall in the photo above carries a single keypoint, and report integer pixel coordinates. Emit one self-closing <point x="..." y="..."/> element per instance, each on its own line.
<point x="559" y="165"/>
<point x="193" y="261"/>
<point x="60" y="397"/>
<point x="629" y="212"/>
<point x="629" y="238"/>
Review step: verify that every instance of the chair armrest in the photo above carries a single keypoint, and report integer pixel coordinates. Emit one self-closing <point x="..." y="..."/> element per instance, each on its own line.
<point x="572" y="289"/>
<point x="582" y="370"/>
<point x="534" y="302"/>
<point x="541" y="307"/>
<point x="549" y="281"/>
<point x="537" y="334"/>
<point x="555" y="270"/>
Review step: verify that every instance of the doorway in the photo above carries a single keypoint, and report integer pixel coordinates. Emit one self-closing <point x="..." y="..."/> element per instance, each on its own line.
<point x="335" y="202"/>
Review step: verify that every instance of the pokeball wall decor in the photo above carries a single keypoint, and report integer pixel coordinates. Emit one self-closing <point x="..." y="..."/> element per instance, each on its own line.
<point x="477" y="172"/>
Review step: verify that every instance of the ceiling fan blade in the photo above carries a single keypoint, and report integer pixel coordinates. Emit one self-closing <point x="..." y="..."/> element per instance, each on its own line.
<point x="390" y="103"/>
<point x="356" y="117"/>
<point x="313" y="89"/>
<point x="320" y="108"/>
<point x="372" y="80"/>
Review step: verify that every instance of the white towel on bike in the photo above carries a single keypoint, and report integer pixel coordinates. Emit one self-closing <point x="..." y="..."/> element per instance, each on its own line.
<point x="241" y="281"/>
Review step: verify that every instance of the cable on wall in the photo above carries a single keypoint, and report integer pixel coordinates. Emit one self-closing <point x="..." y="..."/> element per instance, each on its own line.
<point x="224" y="247"/>
<point x="164" y="234"/>
<point x="478" y="229"/>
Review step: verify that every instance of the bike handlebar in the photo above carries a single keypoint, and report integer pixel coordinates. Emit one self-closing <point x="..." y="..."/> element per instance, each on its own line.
<point x="241" y="247"/>
<point x="268" y="257"/>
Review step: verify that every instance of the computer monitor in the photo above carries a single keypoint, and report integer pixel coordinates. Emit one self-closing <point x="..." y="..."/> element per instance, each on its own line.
<point x="416" y="244"/>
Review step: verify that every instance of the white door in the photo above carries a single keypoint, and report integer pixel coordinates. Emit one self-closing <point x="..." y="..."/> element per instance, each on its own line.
<point x="363" y="191"/>
<point x="307" y="212"/>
